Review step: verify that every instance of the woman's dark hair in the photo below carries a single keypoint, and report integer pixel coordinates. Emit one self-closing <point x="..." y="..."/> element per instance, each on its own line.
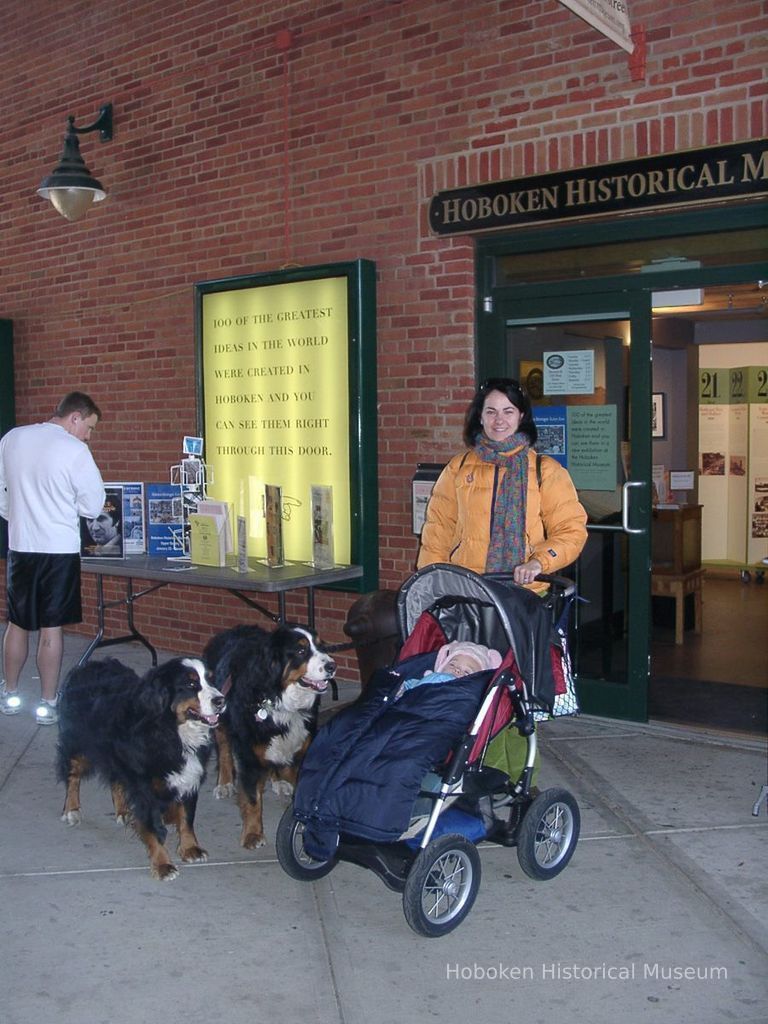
<point x="517" y="396"/>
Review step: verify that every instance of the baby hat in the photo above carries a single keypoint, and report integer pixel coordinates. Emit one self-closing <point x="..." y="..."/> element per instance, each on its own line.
<point x="486" y="657"/>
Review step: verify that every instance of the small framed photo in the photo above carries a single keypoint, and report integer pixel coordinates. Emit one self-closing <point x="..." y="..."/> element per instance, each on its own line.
<point x="193" y="446"/>
<point x="191" y="472"/>
<point x="658" y="414"/>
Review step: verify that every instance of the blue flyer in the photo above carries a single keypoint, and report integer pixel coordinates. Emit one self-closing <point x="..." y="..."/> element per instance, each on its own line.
<point x="165" y="520"/>
<point x="551" y="424"/>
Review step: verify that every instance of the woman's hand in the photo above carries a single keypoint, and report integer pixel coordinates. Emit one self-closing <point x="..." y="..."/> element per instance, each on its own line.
<point x="527" y="571"/>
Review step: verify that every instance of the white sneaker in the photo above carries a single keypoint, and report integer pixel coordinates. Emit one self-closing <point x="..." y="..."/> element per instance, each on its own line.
<point x="10" y="702"/>
<point x="46" y="713"/>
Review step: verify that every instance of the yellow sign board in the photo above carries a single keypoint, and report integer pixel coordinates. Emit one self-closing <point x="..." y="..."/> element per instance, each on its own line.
<point x="276" y="405"/>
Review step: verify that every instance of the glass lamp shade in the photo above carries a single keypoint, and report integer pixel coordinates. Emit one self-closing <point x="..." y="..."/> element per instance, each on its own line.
<point x="72" y="202"/>
<point x="71" y="188"/>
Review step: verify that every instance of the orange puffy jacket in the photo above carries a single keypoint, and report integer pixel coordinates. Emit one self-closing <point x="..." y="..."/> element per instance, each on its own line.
<point x="457" y="527"/>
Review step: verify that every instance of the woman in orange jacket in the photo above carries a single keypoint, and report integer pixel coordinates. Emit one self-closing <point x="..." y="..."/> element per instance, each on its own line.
<point x="495" y="507"/>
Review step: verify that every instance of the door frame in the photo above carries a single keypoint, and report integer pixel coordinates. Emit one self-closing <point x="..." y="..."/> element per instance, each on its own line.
<point x="616" y="699"/>
<point x="541" y="301"/>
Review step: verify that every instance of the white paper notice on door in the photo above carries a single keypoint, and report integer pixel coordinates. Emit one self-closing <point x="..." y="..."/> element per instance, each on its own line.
<point x="569" y="373"/>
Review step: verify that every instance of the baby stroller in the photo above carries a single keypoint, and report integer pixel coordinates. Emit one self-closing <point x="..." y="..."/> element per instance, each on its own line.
<point x="396" y="782"/>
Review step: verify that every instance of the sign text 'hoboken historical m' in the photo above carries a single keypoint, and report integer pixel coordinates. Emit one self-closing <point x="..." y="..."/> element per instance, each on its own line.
<point x="704" y="175"/>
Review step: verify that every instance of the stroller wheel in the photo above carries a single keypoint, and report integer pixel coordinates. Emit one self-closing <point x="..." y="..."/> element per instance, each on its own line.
<point x="293" y="858"/>
<point x="441" y="886"/>
<point x="548" y="834"/>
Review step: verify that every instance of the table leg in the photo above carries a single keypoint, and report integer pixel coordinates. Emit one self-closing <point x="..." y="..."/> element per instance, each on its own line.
<point x="679" y="613"/>
<point x="96" y="642"/>
<point x="133" y="633"/>
<point x="697" y="608"/>
<point x="277" y="619"/>
<point x="282" y="612"/>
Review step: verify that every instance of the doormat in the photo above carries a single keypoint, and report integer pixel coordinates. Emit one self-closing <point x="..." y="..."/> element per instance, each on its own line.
<point x="711" y="705"/>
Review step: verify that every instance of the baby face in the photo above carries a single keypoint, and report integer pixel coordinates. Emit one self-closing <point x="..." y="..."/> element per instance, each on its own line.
<point x="461" y="665"/>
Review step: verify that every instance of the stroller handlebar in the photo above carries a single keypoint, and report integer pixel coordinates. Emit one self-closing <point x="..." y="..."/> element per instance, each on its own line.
<point x="561" y="584"/>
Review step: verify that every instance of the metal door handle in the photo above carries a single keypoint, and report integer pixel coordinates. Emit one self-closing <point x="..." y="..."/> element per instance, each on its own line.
<point x="625" y="506"/>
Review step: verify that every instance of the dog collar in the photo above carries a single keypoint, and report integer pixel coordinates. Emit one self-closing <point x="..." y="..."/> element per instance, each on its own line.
<point x="263" y="710"/>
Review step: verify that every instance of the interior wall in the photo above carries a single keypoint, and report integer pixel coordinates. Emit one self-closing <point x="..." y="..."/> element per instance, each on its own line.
<point x="723" y="357"/>
<point x="670" y="378"/>
<point x="678" y="450"/>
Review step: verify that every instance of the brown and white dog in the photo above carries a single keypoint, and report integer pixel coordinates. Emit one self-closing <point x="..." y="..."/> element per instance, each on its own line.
<point x="273" y="681"/>
<point x="148" y="739"/>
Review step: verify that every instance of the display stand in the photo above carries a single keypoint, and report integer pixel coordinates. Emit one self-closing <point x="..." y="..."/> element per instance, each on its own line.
<point x="192" y="477"/>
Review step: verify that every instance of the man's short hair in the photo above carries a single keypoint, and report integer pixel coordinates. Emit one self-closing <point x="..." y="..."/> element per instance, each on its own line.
<point x="77" y="401"/>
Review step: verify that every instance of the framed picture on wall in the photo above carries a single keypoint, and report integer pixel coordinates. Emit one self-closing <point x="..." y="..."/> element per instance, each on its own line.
<point x="658" y="414"/>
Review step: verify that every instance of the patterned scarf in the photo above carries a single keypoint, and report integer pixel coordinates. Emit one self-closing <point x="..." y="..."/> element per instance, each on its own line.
<point x="507" y="547"/>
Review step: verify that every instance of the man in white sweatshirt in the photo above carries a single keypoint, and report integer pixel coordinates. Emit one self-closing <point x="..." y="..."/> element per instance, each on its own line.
<point x="48" y="479"/>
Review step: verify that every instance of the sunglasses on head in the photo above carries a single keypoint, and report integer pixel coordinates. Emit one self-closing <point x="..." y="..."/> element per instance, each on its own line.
<point x="501" y="384"/>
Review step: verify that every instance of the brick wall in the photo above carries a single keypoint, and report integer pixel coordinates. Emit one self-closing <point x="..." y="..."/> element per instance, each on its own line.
<point x="235" y="154"/>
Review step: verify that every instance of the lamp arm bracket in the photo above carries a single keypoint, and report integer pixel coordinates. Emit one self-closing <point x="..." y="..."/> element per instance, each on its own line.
<point x="102" y="124"/>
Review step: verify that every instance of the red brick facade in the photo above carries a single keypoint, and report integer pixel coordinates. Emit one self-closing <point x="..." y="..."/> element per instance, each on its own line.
<point x="253" y="135"/>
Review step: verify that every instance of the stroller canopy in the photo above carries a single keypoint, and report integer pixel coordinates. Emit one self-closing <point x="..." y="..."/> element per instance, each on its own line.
<point x="491" y="610"/>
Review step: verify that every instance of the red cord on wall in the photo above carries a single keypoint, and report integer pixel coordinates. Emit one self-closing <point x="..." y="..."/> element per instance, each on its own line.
<point x="637" y="59"/>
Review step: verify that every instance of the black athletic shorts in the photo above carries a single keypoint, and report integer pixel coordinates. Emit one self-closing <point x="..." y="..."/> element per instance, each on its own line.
<point x="43" y="590"/>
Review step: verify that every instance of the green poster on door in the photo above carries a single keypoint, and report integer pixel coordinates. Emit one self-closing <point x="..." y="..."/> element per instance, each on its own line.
<point x="593" y="447"/>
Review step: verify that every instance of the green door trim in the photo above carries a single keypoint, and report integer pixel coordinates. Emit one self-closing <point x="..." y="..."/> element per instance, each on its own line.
<point x="626" y="700"/>
<point x="735" y="217"/>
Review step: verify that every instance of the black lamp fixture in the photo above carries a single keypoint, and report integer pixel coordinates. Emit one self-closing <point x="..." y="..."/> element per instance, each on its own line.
<point x="71" y="188"/>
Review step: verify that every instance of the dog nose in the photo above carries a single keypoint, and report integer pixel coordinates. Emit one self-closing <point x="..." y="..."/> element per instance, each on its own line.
<point x="219" y="702"/>
<point x="330" y="667"/>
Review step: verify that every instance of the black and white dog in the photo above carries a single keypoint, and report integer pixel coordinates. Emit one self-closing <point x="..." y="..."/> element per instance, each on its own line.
<point x="273" y="681"/>
<point x="148" y="739"/>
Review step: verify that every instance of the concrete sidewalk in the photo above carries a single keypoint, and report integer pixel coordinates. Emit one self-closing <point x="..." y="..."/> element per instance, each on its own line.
<point x="660" y="917"/>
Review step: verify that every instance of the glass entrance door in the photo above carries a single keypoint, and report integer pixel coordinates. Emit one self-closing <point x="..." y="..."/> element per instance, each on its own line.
<point x="585" y="362"/>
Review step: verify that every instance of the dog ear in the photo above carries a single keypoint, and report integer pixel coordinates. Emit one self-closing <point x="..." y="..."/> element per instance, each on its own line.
<point x="158" y="687"/>
<point x="249" y="665"/>
<point x="219" y="654"/>
<point x="281" y="649"/>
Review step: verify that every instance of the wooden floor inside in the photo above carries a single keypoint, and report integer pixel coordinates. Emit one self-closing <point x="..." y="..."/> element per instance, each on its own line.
<point x="718" y="678"/>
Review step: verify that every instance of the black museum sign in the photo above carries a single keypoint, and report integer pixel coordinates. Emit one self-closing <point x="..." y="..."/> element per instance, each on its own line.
<point x="721" y="172"/>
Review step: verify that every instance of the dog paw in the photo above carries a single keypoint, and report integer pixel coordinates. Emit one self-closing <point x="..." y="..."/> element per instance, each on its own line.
<point x="253" y="842"/>
<point x="282" y="788"/>
<point x="71" y="817"/>
<point x="164" y="872"/>
<point x="194" y="855"/>
<point x="224" y="792"/>
<point x="122" y="819"/>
